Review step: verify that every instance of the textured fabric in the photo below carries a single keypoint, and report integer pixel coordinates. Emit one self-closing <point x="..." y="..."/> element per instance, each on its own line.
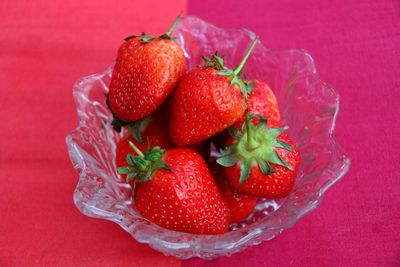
<point x="356" y="46"/>
<point x="45" y="46"/>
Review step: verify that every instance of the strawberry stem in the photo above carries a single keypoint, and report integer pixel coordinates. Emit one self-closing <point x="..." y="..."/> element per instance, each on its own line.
<point x="239" y="68"/>
<point x="176" y="21"/>
<point x="251" y="143"/>
<point x="248" y="129"/>
<point x="137" y="150"/>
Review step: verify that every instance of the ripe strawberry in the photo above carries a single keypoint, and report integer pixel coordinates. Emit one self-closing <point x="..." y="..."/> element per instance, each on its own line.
<point x="207" y="101"/>
<point x="174" y="189"/>
<point x="146" y="72"/>
<point x="240" y="204"/>
<point x="261" y="161"/>
<point x="261" y="101"/>
<point x="151" y="131"/>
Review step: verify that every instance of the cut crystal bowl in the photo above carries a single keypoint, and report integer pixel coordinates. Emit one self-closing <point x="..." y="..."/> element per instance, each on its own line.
<point x="308" y="106"/>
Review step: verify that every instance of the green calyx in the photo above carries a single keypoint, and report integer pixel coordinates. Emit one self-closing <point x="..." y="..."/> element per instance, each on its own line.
<point x="141" y="168"/>
<point x="145" y="38"/>
<point x="254" y="145"/>
<point x="217" y="62"/>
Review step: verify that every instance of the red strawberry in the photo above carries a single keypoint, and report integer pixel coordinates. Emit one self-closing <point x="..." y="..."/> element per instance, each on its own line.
<point x="146" y="72"/>
<point x="207" y="101"/>
<point x="151" y="131"/>
<point x="174" y="189"/>
<point x="240" y="204"/>
<point x="261" y="161"/>
<point x="261" y="101"/>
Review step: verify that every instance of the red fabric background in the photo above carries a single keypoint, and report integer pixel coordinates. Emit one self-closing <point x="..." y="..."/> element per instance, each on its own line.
<point x="356" y="46"/>
<point x="45" y="46"/>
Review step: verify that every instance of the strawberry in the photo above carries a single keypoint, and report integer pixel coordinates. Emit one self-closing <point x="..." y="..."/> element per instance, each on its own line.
<point x="207" y="101"/>
<point x="261" y="101"/>
<point x="175" y="189"/>
<point x="240" y="204"/>
<point x="151" y="131"/>
<point x="261" y="161"/>
<point x="146" y="72"/>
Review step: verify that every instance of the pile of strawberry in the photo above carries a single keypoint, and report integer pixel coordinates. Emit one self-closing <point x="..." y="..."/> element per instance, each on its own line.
<point x="172" y="115"/>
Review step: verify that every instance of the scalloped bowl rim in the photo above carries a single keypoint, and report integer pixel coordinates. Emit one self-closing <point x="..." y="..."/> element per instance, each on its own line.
<point x="253" y="233"/>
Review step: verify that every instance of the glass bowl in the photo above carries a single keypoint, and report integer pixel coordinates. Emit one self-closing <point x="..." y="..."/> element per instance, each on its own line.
<point x="308" y="106"/>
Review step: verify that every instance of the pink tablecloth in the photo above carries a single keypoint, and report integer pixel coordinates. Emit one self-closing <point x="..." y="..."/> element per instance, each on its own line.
<point x="356" y="46"/>
<point x="46" y="45"/>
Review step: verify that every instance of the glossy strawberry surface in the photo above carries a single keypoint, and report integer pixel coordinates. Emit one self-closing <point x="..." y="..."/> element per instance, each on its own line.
<point x="144" y="75"/>
<point x="204" y="104"/>
<point x="185" y="199"/>
<point x="240" y="204"/>
<point x="262" y="101"/>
